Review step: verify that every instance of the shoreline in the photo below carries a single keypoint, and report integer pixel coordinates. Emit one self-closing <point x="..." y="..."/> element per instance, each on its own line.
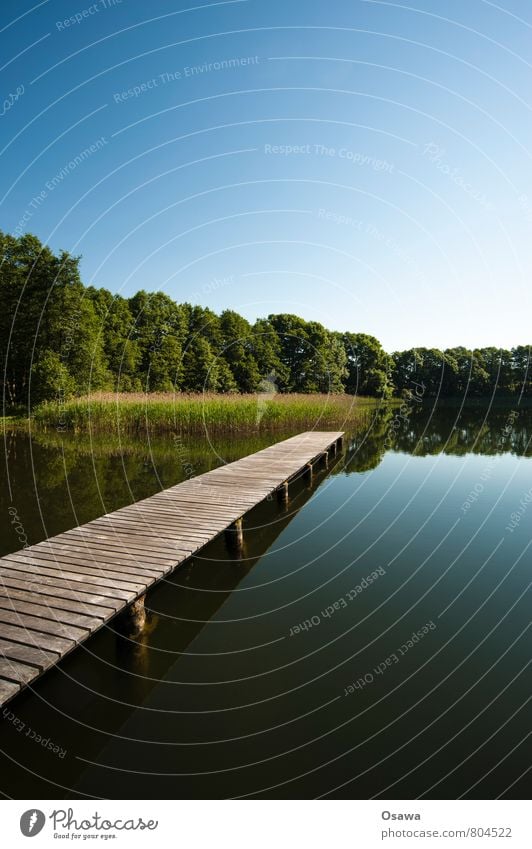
<point x="135" y="413"/>
<point x="166" y="413"/>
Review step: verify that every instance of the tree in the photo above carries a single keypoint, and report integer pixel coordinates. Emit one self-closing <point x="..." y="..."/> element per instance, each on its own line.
<point x="499" y="366"/>
<point x="291" y="333"/>
<point x="329" y="360"/>
<point x="466" y="375"/>
<point x="522" y="364"/>
<point x="200" y="369"/>
<point x="122" y="350"/>
<point x="44" y="308"/>
<point x="311" y="357"/>
<point x="237" y="350"/>
<point x="429" y="370"/>
<point x="267" y="351"/>
<point x="50" y="379"/>
<point x="160" y="331"/>
<point x="369" y="367"/>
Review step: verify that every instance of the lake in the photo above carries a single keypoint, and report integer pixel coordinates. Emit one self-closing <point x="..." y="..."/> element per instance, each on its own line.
<point x="372" y="641"/>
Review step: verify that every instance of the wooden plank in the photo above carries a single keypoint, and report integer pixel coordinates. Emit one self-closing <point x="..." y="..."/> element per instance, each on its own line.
<point x="106" y="584"/>
<point x="104" y="558"/>
<point x="104" y="576"/>
<point x="65" y="616"/>
<point x="204" y="495"/>
<point x="7" y="690"/>
<point x="266" y="473"/>
<point x="107" y="562"/>
<point x="199" y="525"/>
<point x="38" y="639"/>
<point x="20" y="673"/>
<point x="181" y="506"/>
<point x="59" y="606"/>
<point x="191" y="508"/>
<point x="26" y="654"/>
<point x="38" y="580"/>
<point x="199" y="507"/>
<point x="164" y="525"/>
<point x="239" y="488"/>
<point x="47" y="626"/>
<point x="216" y="497"/>
<point x="191" y="539"/>
<point x="129" y="544"/>
<point x="59" y="594"/>
<point x="162" y="531"/>
<point x="98" y="550"/>
<point x="152" y="515"/>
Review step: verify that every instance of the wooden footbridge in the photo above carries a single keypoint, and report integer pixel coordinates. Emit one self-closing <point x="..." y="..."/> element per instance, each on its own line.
<point x="55" y="594"/>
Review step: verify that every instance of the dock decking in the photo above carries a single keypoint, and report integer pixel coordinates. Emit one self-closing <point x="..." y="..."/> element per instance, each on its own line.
<point x="55" y="594"/>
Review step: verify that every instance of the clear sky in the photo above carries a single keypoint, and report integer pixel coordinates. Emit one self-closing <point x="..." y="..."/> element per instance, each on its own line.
<point x="367" y="164"/>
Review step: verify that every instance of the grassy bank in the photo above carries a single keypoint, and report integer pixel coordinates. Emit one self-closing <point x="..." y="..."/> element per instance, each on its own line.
<point x="188" y="413"/>
<point x="16" y="422"/>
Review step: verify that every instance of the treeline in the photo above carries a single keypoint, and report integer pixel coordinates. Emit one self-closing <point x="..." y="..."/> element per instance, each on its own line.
<point x="456" y="372"/>
<point x="61" y="338"/>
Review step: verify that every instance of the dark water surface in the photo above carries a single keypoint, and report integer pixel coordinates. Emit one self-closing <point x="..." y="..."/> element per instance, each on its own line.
<point x="293" y="672"/>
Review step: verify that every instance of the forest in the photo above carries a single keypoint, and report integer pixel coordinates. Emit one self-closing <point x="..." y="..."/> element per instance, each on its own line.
<point x="62" y="338"/>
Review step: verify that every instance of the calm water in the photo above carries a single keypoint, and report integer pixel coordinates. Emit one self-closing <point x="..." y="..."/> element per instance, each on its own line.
<point x="293" y="672"/>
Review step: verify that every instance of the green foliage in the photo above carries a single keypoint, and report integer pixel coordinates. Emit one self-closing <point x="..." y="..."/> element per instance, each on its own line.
<point x="50" y="378"/>
<point x="121" y="347"/>
<point x="200" y="370"/>
<point x="58" y="337"/>
<point x="459" y="372"/>
<point x="266" y="346"/>
<point x="369" y="367"/>
<point x="44" y="309"/>
<point x="312" y="359"/>
<point x="237" y="349"/>
<point x="159" y="330"/>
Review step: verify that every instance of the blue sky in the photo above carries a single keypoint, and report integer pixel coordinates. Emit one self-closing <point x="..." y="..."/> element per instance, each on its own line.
<point x="365" y="164"/>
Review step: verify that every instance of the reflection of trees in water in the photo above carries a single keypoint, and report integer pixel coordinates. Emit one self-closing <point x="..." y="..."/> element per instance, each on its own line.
<point x="423" y="430"/>
<point x="366" y="448"/>
<point x="74" y="479"/>
<point x="476" y="430"/>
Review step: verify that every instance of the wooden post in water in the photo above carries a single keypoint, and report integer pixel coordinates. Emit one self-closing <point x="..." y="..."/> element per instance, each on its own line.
<point x="309" y="470"/>
<point x="282" y="494"/>
<point x="132" y="620"/>
<point x="235" y="536"/>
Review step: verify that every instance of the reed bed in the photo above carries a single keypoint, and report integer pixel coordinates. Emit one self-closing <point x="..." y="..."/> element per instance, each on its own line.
<point x="199" y="413"/>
